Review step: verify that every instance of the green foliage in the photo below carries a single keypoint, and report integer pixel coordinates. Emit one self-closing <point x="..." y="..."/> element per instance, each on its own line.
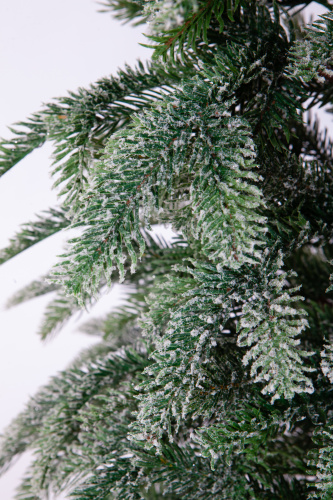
<point x="25" y="142"/>
<point x="126" y="10"/>
<point x="185" y="327"/>
<point x="313" y="56"/>
<point x="35" y="289"/>
<point x="57" y="313"/>
<point x="323" y="463"/>
<point x="269" y="325"/>
<point x="213" y="378"/>
<point x="58" y="419"/>
<point x="180" y="26"/>
<point x="31" y="233"/>
<point x="80" y="124"/>
<point x="246" y="432"/>
<point x="327" y="362"/>
<point x="174" y="140"/>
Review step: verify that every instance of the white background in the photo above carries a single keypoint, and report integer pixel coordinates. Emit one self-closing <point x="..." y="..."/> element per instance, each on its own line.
<point x="46" y="48"/>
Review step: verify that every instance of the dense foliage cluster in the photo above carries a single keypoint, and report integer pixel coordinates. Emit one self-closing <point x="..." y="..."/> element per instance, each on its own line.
<point x="214" y="380"/>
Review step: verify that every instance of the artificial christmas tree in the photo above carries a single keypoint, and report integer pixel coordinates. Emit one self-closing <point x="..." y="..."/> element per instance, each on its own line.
<point x="214" y="380"/>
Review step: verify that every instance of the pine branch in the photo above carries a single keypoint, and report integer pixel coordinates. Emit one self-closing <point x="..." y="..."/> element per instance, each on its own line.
<point x="187" y="475"/>
<point x="327" y="362"/>
<point x="47" y="224"/>
<point x="120" y="325"/>
<point x="81" y="123"/>
<point x="34" y="289"/>
<point x="57" y="422"/>
<point x="186" y="322"/>
<point x="57" y="313"/>
<point x="216" y="151"/>
<point x="321" y="462"/>
<point x="297" y="192"/>
<point x="91" y="116"/>
<point x="14" y="150"/>
<point x="25" y="429"/>
<point x="211" y="355"/>
<point x="269" y="326"/>
<point x="125" y="10"/>
<point x="312" y="57"/>
<point x="247" y="432"/>
<point x="182" y="26"/>
<point x="157" y="260"/>
<point x="25" y="489"/>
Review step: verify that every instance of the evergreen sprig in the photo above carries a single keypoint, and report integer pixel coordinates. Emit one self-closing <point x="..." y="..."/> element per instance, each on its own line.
<point x="47" y="224"/>
<point x="323" y="463"/>
<point x="184" y="25"/>
<point x="126" y="10"/>
<point x="29" y="135"/>
<point x="34" y="289"/>
<point x="57" y="423"/>
<point x="177" y="143"/>
<point x="213" y="378"/>
<point x="80" y="124"/>
<point x="312" y="57"/>
<point x="269" y="325"/>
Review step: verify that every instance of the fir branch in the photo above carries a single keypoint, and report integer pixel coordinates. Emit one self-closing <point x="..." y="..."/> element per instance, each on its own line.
<point x="35" y="289"/>
<point x="317" y="145"/>
<point x="80" y="124"/>
<point x="269" y="326"/>
<point x="216" y="151"/>
<point x="120" y="325"/>
<point x="297" y="193"/>
<point x="327" y="362"/>
<point x="217" y="148"/>
<point x="272" y="110"/>
<point x="25" y="489"/>
<point x="32" y="136"/>
<point x="185" y="24"/>
<point x="58" y="312"/>
<point x="125" y="10"/>
<point x="187" y="475"/>
<point x="321" y="463"/>
<point x="92" y="115"/>
<point x="245" y="432"/>
<point x="185" y="321"/>
<point x="157" y="261"/>
<point x="312" y="57"/>
<point x="47" y="224"/>
<point x="56" y="420"/>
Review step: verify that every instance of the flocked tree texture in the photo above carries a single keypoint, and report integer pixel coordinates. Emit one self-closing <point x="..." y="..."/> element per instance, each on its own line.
<point x="214" y="381"/>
